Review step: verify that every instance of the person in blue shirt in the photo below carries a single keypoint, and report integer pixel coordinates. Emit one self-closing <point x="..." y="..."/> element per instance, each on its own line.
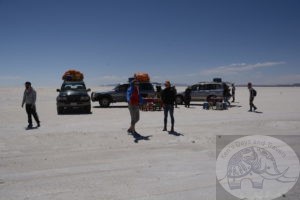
<point x="134" y="99"/>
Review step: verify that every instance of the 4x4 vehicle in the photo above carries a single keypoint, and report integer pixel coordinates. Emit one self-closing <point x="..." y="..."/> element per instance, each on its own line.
<point x="73" y="95"/>
<point x="203" y="91"/>
<point x="118" y="94"/>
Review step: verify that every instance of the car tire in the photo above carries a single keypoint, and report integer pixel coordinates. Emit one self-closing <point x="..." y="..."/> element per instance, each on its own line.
<point x="60" y="110"/>
<point x="179" y="100"/>
<point x="88" y="109"/>
<point x="104" y="102"/>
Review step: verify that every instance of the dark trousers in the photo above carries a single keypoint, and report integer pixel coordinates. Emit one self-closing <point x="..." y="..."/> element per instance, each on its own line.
<point x="226" y="100"/>
<point x="252" y="104"/>
<point x="233" y="97"/>
<point x="31" y="110"/>
<point x="168" y="108"/>
<point x="187" y="102"/>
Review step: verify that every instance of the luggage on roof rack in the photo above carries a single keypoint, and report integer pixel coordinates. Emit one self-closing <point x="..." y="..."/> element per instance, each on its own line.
<point x="72" y="75"/>
<point x="142" y="77"/>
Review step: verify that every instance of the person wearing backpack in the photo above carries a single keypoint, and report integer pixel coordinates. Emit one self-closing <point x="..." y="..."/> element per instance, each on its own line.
<point x="252" y="96"/>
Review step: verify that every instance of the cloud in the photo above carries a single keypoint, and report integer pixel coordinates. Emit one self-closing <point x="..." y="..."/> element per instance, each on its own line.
<point x="236" y="68"/>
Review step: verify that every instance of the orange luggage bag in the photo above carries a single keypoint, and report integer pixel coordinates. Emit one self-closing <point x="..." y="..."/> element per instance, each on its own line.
<point x="142" y="77"/>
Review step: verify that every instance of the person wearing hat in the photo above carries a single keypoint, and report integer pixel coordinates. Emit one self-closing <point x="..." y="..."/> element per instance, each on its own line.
<point x="134" y="99"/>
<point x="251" y="98"/>
<point x="168" y="99"/>
<point x="29" y="98"/>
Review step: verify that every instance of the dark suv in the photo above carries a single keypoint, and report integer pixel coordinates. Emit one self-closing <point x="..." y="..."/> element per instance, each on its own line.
<point x="203" y="91"/>
<point x="118" y="94"/>
<point x="73" y="95"/>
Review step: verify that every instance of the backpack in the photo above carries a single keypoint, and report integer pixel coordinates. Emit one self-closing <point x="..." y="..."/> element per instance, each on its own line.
<point x="254" y="93"/>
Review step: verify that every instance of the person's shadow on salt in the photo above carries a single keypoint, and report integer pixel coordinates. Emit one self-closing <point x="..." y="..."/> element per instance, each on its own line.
<point x="175" y="133"/>
<point x="258" y="112"/>
<point x="31" y="128"/>
<point x="137" y="137"/>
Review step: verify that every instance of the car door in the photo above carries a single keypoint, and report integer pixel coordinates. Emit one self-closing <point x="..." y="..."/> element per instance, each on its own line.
<point x="195" y="92"/>
<point x="203" y="92"/>
<point x="121" y="92"/>
<point x="216" y="90"/>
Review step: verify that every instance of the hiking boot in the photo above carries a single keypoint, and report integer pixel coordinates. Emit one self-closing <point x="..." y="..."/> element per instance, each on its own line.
<point x="130" y="131"/>
<point x="172" y="128"/>
<point x="165" y="129"/>
<point x="255" y="109"/>
<point x="29" y="126"/>
<point x="38" y="124"/>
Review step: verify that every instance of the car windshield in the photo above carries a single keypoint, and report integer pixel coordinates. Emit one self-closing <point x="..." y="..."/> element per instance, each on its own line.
<point x="73" y="86"/>
<point x="146" y="87"/>
<point x="121" y="88"/>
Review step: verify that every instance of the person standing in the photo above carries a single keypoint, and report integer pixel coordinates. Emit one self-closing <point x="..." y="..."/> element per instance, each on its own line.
<point x="168" y="99"/>
<point x="252" y="96"/>
<point x="29" y="98"/>
<point x="134" y="99"/>
<point x="226" y="93"/>
<point x="187" y="97"/>
<point x="175" y="93"/>
<point x="233" y="92"/>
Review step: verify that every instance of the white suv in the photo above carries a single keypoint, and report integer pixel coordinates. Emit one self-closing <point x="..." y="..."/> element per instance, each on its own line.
<point x="203" y="91"/>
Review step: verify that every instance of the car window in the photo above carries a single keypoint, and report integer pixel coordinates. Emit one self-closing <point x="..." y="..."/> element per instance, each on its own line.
<point x="194" y="87"/>
<point x="203" y="87"/>
<point x="146" y="87"/>
<point x="218" y="86"/>
<point x="123" y="88"/>
<point x="214" y="86"/>
<point x="73" y="86"/>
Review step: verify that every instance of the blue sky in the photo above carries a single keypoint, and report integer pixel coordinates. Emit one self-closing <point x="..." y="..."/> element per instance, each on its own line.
<point x="184" y="41"/>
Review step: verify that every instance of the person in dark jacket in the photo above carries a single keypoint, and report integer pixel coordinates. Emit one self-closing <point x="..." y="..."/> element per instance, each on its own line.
<point x="233" y="92"/>
<point x="226" y="93"/>
<point x="168" y="99"/>
<point x="175" y="92"/>
<point x="251" y="98"/>
<point x="187" y="97"/>
<point x="29" y="98"/>
<point x="158" y="91"/>
<point x="134" y="99"/>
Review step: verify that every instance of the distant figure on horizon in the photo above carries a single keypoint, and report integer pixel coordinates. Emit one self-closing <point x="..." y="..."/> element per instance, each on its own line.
<point x="134" y="99"/>
<point x="168" y="99"/>
<point x="233" y="92"/>
<point x="252" y="96"/>
<point x="29" y="98"/>
<point x="187" y="97"/>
